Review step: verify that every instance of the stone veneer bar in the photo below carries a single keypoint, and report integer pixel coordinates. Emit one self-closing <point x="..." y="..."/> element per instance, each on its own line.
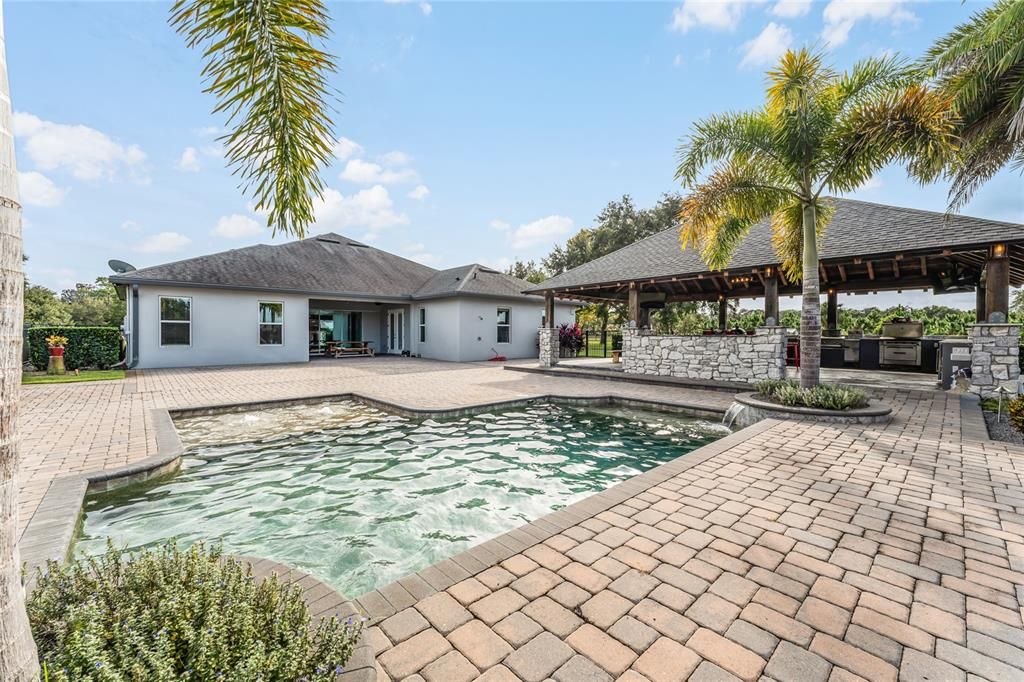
<point x="716" y="358"/>
<point x="995" y="349"/>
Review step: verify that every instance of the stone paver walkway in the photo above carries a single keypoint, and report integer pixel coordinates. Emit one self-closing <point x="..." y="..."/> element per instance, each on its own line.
<point x="799" y="552"/>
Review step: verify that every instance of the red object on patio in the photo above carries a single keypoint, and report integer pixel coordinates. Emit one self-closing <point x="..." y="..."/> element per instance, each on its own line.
<point x="793" y="353"/>
<point x="57" y="352"/>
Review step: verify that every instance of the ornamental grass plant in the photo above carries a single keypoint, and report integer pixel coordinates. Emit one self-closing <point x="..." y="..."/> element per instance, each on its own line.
<point x="822" y="396"/>
<point x="184" y="615"/>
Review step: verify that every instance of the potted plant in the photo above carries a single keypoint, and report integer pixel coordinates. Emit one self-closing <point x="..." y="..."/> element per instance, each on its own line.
<point x="56" y="344"/>
<point x="570" y="339"/>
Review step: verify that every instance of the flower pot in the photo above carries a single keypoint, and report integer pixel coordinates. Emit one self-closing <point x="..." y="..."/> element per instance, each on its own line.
<point x="57" y="352"/>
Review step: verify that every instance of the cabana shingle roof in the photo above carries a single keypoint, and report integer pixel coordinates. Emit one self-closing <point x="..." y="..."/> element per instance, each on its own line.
<point x="858" y="229"/>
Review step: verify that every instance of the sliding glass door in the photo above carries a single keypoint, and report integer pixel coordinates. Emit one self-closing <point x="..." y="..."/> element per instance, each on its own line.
<point x="333" y="326"/>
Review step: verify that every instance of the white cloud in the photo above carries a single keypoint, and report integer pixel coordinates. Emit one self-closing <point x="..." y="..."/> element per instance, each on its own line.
<point x="500" y="225"/>
<point x="164" y="242"/>
<point x="395" y="158"/>
<point x="344" y="148"/>
<point x="420" y="193"/>
<point x="189" y="161"/>
<point x="426" y="8"/>
<point x="678" y="61"/>
<point x="791" y="8"/>
<point x="130" y="226"/>
<point x="38" y="190"/>
<point x="544" y="230"/>
<point x="874" y="182"/>
<point x="418" y="253"/>
<point x="770" y="44"/>
<point x="237" y="226"/>
<point x="366" y="173"/>
<point x="721" y="15"/>
<point x="208" y="131"/>
<point x="841" y="16"/>
<point x="85" y="152"/>
<point x="371" y="208"/>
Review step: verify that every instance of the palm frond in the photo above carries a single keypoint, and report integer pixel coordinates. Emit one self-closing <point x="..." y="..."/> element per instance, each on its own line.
<point x="913" y="124"/>
<point x="745" y="137"/>
<point x="719" y="212"/>
<point x="271" y="83"/>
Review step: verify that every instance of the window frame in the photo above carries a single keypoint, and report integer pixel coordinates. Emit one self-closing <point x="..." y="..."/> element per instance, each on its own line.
<point x="423" y="325"/>
<point x="260" y="323"/>
<point x="507" y="325"/>
<point x="161" y="322"/>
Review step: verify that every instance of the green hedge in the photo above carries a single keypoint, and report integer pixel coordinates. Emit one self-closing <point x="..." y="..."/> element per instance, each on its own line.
<point x="98" y="347"/>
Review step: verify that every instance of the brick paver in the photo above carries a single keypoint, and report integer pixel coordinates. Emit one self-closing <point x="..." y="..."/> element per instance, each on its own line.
<point x="803" y="551"/>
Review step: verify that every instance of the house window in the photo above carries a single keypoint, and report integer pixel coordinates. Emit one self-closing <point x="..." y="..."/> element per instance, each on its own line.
<point x="423" y="325"/>
<point x="271" y="323"/>
<point x="175" y="321"/>
<point x="504" y="325"/>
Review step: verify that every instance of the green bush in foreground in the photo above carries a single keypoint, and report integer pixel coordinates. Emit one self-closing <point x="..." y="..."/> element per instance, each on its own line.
<point x="170" y="614"/>
<point x="822" y="396"/>
<point x="1015" y="410"/>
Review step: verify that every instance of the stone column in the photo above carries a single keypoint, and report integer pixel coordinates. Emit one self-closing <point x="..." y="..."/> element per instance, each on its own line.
<point x="994" y="358"/>
<point x="631" y="341"/>
<point x="548" y="341"/>
<point x="770" y="346"/>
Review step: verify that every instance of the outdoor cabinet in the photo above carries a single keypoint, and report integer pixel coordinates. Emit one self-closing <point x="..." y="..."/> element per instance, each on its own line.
<point x="869" y="354"/>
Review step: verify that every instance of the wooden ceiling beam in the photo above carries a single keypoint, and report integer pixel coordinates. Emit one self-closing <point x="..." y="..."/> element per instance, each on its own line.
<point x="822" y="271"/>
<point x="842" y="271"/>
<point x="924" y="266"/>
<point x="871" y="270"/>
<point x="896" y="267"/>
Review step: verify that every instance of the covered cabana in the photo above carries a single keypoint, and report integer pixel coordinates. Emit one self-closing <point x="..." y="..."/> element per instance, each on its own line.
<point x="866" y="248"/>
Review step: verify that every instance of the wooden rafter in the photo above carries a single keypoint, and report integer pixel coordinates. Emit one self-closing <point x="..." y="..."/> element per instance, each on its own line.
<point x="924" y="266"/>
<point x="823" y="272"/>
<point x="896" y="267"/>
<point x="842" y="271"/>
<point x="871" y="270"/>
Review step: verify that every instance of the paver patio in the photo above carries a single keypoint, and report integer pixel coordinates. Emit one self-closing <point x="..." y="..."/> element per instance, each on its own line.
<point x="795" y="551"/>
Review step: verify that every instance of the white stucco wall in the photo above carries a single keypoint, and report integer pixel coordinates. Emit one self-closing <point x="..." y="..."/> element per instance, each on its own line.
<point x="466" y="329"/>
<point x="442" y="342"/>
<point x="225" y="329"/>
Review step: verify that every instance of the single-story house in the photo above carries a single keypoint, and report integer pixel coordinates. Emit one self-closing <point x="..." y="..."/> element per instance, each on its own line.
<point x="298" y="300"/>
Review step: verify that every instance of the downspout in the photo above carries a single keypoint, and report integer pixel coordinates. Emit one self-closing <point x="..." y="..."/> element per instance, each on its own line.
<point x="133" y="345"/>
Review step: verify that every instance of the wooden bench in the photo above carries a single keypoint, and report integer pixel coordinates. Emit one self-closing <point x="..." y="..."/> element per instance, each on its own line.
<point x="340" y="349"/>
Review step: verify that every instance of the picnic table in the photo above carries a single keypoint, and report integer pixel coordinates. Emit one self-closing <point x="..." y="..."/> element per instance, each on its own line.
<point x="340" y="349"/>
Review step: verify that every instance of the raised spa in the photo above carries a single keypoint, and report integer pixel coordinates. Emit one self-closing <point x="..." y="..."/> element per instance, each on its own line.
<point x="360" y="497"/>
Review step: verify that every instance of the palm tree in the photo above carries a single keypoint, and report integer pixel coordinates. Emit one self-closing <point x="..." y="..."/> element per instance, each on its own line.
<point x="980" y="65"/>
<point x="271" y="83"/>
<point x="818" y="132"/>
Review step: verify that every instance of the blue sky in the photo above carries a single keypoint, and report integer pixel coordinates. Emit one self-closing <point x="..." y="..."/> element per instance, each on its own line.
<point x="467" y="131"/>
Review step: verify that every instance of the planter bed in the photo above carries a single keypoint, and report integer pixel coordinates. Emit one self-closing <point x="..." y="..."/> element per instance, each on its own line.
<point x="757" y="408"/>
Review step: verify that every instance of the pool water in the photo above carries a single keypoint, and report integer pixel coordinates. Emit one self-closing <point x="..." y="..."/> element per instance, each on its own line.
<point x="360" y="497"/>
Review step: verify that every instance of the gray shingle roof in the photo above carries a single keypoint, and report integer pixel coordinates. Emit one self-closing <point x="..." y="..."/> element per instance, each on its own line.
<point x="472" y="280"/>
<point x="858" y="228"/>
<point x="326" y="264"/>
<point x="329" y="264"/>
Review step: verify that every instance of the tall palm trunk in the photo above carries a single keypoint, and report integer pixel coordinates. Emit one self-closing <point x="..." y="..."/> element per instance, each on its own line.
<point x="18" y="661"/>
<point x="810" y="313"/>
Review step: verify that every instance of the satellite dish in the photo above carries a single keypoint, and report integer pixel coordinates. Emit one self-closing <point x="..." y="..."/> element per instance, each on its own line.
<point x="119" y="266"/>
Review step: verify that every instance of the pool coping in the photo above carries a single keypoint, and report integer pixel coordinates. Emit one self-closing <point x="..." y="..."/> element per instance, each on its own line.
<point x="51" y="531"/>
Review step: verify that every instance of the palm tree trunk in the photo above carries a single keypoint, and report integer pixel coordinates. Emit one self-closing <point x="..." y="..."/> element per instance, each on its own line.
<point x="18" y="660"/>
<point x="810" y="314"/>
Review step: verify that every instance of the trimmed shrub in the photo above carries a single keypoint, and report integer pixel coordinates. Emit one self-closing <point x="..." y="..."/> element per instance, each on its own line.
<point x="822" y="396"/>
<point x="98" y="347"/>
<point x="166" y="614"/>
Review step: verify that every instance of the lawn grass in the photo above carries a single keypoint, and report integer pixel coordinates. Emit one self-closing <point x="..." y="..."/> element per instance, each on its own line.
<point x="71" y="377"/>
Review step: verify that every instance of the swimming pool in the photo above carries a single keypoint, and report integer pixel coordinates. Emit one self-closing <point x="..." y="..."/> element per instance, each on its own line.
<point x="360" y="497"/>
